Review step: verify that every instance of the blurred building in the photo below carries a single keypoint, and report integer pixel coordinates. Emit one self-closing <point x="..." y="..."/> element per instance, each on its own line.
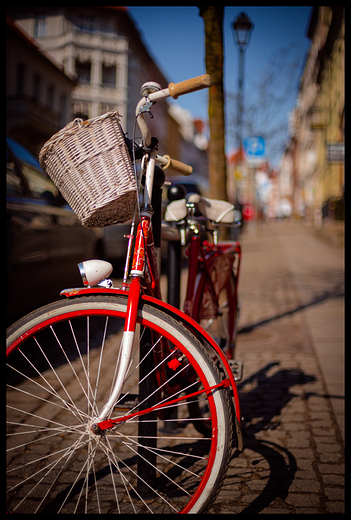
<point x="317" y="145"/>
<point x="255" y="187"/>
<point x="239" y="185"/>
<point x="38" y="93"/>
<point x="192" y="132"/>
<point x="102" y="47"/>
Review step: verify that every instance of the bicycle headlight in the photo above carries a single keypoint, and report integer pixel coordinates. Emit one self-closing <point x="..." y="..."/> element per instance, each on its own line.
<point x="94" y="271"/>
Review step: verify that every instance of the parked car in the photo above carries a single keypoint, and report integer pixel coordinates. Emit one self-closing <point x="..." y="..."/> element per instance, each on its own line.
<point x="44" y="238"/>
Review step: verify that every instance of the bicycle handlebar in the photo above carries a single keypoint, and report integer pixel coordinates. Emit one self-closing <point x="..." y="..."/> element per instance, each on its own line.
<point x="174" y="90"/>
<point x="189" y="85"/>
<point x="179" y="167"/>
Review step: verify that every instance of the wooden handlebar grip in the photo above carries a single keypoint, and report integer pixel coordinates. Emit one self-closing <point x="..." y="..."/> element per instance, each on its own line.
<point x="178" y="166"/>
<point x="189" y="85"/>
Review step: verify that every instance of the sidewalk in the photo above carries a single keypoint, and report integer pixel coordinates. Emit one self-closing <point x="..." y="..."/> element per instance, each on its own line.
<point x="291" y="342"/>
<point x="319" y="277"/>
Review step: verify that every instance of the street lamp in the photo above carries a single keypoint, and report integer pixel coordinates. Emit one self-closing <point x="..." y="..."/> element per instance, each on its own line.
<point x="242" y="33"/>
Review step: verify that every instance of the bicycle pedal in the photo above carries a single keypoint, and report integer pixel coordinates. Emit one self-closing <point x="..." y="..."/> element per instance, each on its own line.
<point x="237" y="369"/>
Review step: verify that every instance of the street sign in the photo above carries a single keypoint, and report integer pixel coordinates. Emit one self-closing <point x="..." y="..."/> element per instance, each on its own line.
<point x="336" y="152"/>
<point x="255" y="147"/>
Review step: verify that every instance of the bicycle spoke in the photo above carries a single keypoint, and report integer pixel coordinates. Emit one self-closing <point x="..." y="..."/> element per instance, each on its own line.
<point x="147" y="483"/>
<point x="55" y="373"/>
<point x="82" y="363"/>
<point x="113" y="480"/>
<point x="89" y="465"/>
<point x="66" y="407"/>
<point x="88" y="364"/>
<point x="87" y="461"/>
<point x="123" y="478"/>
<point x="158" y="451"/>
<point x="49" y="389"/>
<point x="165" y="383"/>
<point x="58" y="463"/>
<point x="99" y="365"/>
<point x="113" y="403"/>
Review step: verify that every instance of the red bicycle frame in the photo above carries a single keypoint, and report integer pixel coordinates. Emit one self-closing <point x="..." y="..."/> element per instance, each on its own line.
<point x="150" y="292"/>
<point x="144" y="272"/>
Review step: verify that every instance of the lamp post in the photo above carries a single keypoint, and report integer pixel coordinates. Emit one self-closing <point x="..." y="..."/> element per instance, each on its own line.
<point x="242" y="33"/>
<point x="242" y="27"/>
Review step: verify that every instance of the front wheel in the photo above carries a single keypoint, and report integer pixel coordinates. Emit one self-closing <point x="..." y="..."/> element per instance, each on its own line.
<point x="61" y="362"/>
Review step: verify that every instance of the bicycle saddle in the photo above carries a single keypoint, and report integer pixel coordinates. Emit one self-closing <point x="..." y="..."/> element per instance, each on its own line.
<point x="218" y="211"/>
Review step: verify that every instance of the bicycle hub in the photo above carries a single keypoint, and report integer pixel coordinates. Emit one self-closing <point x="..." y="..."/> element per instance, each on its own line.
<point x="95" y="428"/>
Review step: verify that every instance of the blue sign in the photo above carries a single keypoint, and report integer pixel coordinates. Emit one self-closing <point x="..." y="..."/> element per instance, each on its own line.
<point x="255" y="147"/>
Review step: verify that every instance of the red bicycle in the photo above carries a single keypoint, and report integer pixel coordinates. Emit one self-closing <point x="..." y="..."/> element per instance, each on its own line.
<point x="109" y="389"/>
<point x="213" y="268"/>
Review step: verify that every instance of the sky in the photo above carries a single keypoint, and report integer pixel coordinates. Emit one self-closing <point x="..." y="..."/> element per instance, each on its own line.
<point x="174" y="37"/>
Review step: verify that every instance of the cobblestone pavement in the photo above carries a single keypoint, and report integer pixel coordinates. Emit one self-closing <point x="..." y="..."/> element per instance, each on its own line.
<point x="293" y="460"/>
<point x="291" y="298"/>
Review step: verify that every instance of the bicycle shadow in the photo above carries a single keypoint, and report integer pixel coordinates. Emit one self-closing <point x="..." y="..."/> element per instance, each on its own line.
<point x="282" y="469"/>
<point x="263" y="404"/>
<point x="262" y="407"/>
<point x="337" y="292"/>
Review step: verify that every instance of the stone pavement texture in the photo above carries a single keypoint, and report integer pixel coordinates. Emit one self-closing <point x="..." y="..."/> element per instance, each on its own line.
<point x="291" y="341"/>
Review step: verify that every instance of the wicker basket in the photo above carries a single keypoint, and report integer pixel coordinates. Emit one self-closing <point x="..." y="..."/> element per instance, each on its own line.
<point x="90" y="164"/>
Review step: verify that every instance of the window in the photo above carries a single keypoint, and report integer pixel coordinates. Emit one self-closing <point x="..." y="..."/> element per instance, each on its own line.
<point x="109" y="76"/>
<point x="81" y="110"/>
<point x="40" y="26"/>
<point x="83" y="70"/>
<point x="107" y="107"/>
<point x="86" y="22"/>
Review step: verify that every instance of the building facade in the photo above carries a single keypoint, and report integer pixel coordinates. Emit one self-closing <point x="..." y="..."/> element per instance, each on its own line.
<point x="38" y="93"/>
<point x="96" y="45"/>
<point x="317" y="145"/>
<point x="103" y="49"/>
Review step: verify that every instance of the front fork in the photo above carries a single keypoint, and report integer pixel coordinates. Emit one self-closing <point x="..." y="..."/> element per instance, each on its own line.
<point x="137" y="273"/>
<point x="126" y="347"/>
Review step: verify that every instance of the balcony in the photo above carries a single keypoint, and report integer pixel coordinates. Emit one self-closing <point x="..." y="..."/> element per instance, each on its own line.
<point x="99" y="42"/>
<point x="318" y="117"/>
